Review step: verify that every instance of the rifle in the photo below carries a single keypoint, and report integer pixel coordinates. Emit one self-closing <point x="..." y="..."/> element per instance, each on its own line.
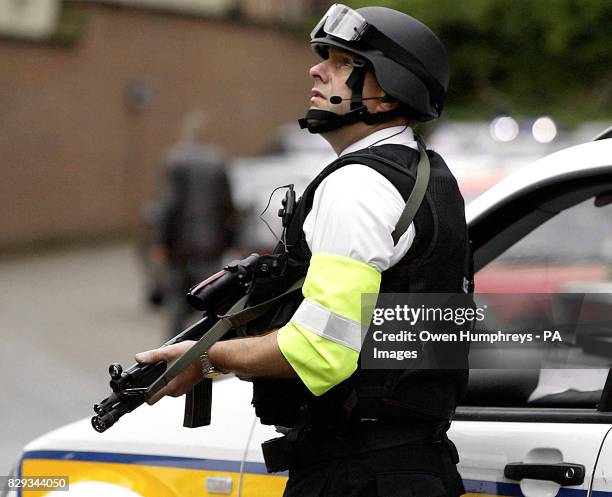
<point x="133" y="387"/>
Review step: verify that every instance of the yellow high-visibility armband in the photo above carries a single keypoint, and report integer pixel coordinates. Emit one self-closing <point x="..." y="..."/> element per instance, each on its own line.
<point x="323" y="339"/>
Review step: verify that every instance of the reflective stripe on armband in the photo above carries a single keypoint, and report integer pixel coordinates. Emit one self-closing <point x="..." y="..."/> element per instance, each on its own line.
<point x="328" y="324"/>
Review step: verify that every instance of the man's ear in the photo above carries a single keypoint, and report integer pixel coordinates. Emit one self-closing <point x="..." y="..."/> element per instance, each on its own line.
<point x="387" y="103"/>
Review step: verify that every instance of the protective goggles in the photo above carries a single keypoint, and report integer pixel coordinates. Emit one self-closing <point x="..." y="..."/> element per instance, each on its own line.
<point x="342" y="22"/>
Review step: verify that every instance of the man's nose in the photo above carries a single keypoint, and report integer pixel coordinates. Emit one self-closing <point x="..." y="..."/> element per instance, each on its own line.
<point x="318" y="72"/>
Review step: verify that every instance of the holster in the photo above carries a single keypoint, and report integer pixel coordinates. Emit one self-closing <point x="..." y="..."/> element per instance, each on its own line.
<point x="278" y="454"/>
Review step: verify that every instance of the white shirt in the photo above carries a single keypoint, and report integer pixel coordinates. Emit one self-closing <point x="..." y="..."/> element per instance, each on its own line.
<point x="355" y="209"/>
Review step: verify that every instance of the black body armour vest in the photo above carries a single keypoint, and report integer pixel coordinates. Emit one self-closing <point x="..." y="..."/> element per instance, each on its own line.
<point x="438" y="261"/>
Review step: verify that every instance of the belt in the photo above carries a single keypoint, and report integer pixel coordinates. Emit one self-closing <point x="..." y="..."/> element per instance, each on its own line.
<point x="306" y="447"/>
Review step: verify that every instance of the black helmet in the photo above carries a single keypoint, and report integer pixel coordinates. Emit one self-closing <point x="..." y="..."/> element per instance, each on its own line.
<point x="410" y="62"/>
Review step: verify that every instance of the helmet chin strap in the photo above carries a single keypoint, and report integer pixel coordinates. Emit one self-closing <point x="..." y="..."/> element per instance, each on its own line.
<point x="322" y="121"/>
<point x="355" y="82"/>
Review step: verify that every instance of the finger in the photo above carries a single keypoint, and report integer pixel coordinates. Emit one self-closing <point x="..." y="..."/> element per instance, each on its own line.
<point x="149" y="356"/>
<point x="167" y="390"/>
<point x="175" y="388"/>
<point x="156" y="397"/>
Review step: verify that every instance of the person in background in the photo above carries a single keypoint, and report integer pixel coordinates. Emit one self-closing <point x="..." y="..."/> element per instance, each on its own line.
<point x="195" y="222"/>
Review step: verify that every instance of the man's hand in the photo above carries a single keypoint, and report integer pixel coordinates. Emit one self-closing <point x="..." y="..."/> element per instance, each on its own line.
<point x="247" y="358"/>
<point x="185" y="380"/>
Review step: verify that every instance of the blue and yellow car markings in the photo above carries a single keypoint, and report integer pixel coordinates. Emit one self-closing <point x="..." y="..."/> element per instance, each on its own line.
<point x="171" y="476"/>
<point x="149" y="475"/>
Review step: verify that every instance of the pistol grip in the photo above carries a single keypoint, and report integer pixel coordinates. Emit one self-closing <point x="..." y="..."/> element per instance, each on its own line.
<point x="198" y="402"/>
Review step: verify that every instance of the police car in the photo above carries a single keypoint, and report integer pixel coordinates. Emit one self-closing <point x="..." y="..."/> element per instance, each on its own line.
<point x="537" y="433"/>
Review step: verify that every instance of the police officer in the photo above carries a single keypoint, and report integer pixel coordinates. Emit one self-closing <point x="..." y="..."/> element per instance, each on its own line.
<point x="350" y="431"/>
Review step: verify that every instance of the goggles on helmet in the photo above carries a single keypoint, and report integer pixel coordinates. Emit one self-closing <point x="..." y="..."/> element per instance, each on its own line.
<point x="348" y="25"/>
<point x="342" y="22"/>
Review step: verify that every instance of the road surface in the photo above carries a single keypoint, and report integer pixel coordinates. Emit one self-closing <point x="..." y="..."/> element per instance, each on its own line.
<point x="65" y="316"/>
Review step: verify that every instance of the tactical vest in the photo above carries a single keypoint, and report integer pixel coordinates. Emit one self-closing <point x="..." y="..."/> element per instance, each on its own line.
<point x="438" y="261"/>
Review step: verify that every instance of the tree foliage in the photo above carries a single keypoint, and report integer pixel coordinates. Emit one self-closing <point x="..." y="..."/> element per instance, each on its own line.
<point x="523" y="56"/>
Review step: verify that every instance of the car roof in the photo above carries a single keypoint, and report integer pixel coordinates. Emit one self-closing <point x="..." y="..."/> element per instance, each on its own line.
<point x="574" y="162"/>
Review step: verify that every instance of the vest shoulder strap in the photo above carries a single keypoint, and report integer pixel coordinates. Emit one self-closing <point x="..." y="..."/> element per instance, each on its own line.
<point x="416" y="195"/>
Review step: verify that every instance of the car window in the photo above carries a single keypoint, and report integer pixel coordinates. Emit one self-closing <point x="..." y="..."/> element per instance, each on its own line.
<point x="572" y="249"/>
<point x="581" y="234"/>
<point x="571" y="254"/>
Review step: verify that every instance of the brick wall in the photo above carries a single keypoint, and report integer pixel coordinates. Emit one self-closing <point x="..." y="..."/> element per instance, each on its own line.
<point x="78" y="161"/>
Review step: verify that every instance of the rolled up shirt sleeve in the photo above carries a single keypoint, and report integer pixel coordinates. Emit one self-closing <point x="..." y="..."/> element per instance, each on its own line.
<point x="348" y="231"/>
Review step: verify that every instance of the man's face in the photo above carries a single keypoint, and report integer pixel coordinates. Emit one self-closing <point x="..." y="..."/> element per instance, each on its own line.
<point x="330" y="77"/>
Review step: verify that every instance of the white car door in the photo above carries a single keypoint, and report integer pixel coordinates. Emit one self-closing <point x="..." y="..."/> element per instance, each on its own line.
<point x="538" y="433"/>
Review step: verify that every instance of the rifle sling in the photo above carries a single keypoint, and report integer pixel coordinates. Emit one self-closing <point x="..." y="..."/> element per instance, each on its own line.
<point x="416" y="195"/>
<point x="235" y="317"/>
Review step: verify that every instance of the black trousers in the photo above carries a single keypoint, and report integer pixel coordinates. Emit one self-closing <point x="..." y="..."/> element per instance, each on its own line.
<point x="424" y="469"/>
